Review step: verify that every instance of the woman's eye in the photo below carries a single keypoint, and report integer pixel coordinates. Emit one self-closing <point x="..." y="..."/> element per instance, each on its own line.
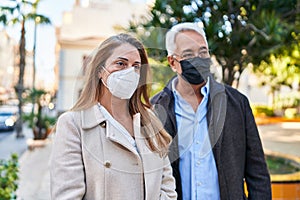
<point x="120" y="63"/>
<point x="137" y="67"/>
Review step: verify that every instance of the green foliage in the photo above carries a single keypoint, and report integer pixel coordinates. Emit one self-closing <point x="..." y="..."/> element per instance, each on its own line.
<point x="289" y="103"/>
<point x="37" y="120"/>
<point x="18" y="12"/>
<point x="9" y="170"/>
<point x="238" y="32"/>
<point x="280" y="165"/>
<point x="261" y="110"/>
<point x="291" y="100"/>
<point x="278" y="71"/>
<point x="46" y="121"/>
<point x="161" y="74"/>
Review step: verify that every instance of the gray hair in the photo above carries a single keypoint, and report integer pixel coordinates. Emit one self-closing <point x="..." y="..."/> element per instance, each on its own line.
<point x="186" y="26"/>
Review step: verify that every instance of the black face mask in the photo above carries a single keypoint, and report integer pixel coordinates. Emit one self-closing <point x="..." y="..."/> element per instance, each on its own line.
<point x="195" y="70"/>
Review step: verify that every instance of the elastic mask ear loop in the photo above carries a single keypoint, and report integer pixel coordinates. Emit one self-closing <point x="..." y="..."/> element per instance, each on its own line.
<point x="174" y="57"/>
<point x="106" y="78"/>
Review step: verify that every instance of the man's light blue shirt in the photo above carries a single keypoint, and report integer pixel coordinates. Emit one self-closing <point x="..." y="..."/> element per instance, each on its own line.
<point x="199" y="175"/>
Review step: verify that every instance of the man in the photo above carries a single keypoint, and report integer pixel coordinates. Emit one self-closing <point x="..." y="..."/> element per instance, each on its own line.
<point x="216" y="145"/>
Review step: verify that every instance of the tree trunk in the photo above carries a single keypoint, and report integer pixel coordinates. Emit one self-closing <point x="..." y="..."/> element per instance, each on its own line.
<point x="33" y="66"/>
<point x="228" y="77"/>
<point x="20" y="85"/>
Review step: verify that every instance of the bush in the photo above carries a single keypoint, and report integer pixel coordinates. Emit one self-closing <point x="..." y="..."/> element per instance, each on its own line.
<point x="290" y="100"/>
<point x="262" y="111"/>
<point x="281" y="165"/>
<point x="9" y="170"/>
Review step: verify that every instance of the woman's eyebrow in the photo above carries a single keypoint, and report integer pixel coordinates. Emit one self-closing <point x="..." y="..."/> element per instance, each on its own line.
<point x="122" y="58"/>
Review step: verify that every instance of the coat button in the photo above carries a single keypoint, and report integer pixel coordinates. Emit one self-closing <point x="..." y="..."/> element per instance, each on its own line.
<point x="107" y="164"/>
<point x="103" y="124"/>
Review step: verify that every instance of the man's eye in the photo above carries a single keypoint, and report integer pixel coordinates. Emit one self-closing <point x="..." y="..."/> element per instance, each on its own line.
<point x="187" y="55"/>
<point x="203" y="53"/>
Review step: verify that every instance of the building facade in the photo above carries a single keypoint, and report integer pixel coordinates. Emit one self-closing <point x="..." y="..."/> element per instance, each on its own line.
<point x="7" y="65"/>
<point x="83" y="29"/>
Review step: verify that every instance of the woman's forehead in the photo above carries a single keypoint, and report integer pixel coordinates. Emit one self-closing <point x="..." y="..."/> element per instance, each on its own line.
<point x="125" y="50"/>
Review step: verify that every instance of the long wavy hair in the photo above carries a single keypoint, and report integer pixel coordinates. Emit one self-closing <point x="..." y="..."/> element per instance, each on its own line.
<point x="157" y="138"/>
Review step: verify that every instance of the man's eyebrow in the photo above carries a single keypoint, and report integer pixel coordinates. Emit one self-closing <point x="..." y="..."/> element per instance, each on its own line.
<point x="203" y="48"/>
<point x="187" y="50"/>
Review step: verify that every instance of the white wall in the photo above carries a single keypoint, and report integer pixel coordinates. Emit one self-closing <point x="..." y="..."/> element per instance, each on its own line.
<point x="81" y="27"/>
<point x="7" y="56"/>
<point x="70" y="77"/>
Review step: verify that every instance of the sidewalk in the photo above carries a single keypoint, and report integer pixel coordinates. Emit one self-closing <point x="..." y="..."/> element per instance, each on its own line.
<point x="34" y="178"/>
<point x="34" y="174"/>
<point x="10" y="144"/>
<point x="281" y="137"/>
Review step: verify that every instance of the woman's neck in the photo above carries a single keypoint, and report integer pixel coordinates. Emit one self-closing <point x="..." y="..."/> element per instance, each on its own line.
<point x="118" y="108"/>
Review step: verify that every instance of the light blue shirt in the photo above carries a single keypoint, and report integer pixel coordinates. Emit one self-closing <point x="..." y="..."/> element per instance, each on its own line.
<point x="199" y="175"/>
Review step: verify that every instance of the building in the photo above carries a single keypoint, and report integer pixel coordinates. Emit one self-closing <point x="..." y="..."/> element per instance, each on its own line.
<point x="84" y="28"/>
<point x="7" y="65"/>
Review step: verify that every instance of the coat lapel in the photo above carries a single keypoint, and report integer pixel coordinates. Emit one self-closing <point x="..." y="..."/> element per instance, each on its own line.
<point x="92" y="118"/>
<point x="91" y="138"/>
<point x="217" y="107"/>
<point x="113" y="134"/>
<point x="150" y="159"/>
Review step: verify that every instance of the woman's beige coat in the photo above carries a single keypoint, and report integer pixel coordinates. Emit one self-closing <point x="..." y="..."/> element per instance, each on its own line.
<point x="92" y="160"/>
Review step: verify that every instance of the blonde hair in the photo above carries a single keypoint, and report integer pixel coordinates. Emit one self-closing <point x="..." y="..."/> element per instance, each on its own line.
<point x="157" y="138"/>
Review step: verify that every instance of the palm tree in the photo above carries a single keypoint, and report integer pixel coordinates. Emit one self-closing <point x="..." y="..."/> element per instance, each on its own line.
<point x="18" y="12"/>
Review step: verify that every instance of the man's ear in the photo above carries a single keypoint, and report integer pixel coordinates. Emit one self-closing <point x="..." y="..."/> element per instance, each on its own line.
<point x="172" y="61"/>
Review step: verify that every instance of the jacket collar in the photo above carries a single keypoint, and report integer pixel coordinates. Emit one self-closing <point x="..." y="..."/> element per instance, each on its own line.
<point x="217" y="108"/>
<point x="91" y="117"/>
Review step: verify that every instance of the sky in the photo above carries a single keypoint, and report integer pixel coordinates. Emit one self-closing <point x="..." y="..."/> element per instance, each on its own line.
<point x="46" y="39"/>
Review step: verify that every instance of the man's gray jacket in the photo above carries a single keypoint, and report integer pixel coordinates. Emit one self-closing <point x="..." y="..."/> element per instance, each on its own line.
<point x="234" y="137"/>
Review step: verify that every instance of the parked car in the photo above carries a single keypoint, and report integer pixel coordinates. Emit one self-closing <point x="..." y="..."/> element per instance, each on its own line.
<point x="8" y="118"/>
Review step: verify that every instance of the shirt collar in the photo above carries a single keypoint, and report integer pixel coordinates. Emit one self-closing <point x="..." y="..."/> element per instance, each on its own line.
<point x="204" y="90"/>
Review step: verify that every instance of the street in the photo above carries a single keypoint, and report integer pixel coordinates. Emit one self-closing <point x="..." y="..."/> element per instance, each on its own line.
<point x="10" y="144"/>
<point x="281" y="137"/>
<point x="4" y="134"/>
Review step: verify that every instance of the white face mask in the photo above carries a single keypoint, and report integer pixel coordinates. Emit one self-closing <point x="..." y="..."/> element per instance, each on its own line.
<point x="123" y="83"/>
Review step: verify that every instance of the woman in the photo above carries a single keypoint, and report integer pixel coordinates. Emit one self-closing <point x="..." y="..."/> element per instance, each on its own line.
<point x="110" y="145"/>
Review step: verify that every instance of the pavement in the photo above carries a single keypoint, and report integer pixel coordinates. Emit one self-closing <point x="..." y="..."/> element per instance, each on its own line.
<point x="281" y="137"/>
<point x="34" y="177"/>
<point x="34" y="183"/>
<point x="9" y="144"/>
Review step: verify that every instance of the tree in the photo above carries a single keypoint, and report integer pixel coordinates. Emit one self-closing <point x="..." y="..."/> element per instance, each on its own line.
<point x="19" y="12"/>
<point x="40" y="122"/>
<point x="239" y="32"/>
<point x="9" y="176"/>
<point x="281" y="70"/>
